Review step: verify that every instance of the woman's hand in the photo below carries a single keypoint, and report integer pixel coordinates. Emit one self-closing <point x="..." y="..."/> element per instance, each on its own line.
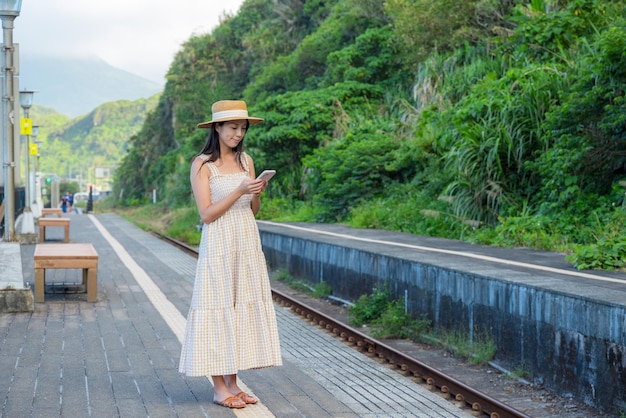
<point x="253" y="186"/>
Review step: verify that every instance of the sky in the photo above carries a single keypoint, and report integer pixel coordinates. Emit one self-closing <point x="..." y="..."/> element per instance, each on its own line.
<point x="138" y="36"/>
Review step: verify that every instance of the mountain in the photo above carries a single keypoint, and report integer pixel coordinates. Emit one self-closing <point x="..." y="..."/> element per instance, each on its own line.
<point x="73" y="148"/>
<point x="77" y="85"/>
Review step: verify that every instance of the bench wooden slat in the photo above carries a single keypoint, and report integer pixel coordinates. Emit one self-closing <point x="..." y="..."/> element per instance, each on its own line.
<point x="51" y="211"/>
<point x="68" y="263"/>
<point x="66" y="250"/>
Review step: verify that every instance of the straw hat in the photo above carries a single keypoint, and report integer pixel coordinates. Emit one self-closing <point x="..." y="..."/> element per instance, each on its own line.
<point x="229" y="110"/>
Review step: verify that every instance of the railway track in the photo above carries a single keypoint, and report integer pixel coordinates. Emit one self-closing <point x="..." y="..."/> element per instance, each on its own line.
<point x="448" y="387"/>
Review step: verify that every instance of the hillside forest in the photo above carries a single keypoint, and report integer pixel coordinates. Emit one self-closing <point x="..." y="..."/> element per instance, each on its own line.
<point x="70" y="149"/>
<point x="495" y="122"/>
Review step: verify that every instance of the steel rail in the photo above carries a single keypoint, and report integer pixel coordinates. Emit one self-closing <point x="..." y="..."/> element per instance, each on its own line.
<point x="454" y="390"/>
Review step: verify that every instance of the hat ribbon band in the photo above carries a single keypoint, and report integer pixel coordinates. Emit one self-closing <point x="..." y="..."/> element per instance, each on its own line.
<point x="243" y="114"/>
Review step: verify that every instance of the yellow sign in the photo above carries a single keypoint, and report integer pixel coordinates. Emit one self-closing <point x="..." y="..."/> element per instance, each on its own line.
<point x="34" y="149"/>
<point x="26" y="126"/>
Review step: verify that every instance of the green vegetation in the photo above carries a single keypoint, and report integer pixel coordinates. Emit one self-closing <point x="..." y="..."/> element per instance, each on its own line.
<point x="369" y="307"/>
<point x="386" y="318"/>
<point x="501" y="123"/>
<point x="322" y="290"/>
<point x="180" y="224"/>
<point x="394" y="322"/>
<point x="520" y="372"/>
<point x="477" y="350"/>
<point x="284" y="276"/>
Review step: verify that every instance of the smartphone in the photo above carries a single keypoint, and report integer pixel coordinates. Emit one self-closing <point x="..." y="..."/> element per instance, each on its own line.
<point x="266" y="175"/>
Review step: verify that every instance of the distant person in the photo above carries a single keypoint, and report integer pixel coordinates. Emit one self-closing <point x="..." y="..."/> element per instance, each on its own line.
<point x="64" y="204"/>
<point x="231" y="325"/>
<point x="70" y="200"/>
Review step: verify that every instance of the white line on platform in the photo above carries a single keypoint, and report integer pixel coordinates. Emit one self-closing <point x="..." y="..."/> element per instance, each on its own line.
<point x="168" y="311"/>
<point x="452" y="252"/>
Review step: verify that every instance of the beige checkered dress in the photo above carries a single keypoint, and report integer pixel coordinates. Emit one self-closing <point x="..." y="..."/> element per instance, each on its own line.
<point x="231" y="324"/>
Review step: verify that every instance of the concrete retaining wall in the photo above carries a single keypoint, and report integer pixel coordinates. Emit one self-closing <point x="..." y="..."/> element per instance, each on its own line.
<point x="573" y="344"/>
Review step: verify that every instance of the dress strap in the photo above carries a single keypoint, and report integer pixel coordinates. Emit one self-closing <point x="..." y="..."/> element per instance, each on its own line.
<point x="214" y="171"/>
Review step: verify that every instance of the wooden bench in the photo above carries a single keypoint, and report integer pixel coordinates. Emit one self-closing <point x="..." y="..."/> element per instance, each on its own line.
<point x="51" y="211"/>
<point x="66" y="256"/>
<point x="48" y="222"/>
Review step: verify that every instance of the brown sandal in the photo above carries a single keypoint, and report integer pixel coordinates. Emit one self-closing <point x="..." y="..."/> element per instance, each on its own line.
<point x="246" y="398"/>
<point x="231" y="402"/>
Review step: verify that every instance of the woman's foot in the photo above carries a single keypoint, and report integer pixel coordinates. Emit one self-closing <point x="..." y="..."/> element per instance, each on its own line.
<point x="247" y="398"/>
<point x="233" y="401"/>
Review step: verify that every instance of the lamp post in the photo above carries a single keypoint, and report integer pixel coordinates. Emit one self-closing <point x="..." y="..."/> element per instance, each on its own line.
<point x="26" y="128"/>
<point x="36" y="178"/>
<point x="9" y="10"/>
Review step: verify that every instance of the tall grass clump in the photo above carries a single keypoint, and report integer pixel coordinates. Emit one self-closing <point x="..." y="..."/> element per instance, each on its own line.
<point x="386" y="318"/>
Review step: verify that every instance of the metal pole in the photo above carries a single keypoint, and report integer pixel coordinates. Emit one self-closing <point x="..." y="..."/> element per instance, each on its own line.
<point x="28" y="216"/>
<point x="37" y="201"/>
<point x="27" y="168"/>
<point x="5" y="145"/>
<point x="8" y="129"/>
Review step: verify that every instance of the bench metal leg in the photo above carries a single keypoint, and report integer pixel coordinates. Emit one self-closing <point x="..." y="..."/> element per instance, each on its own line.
<point x="40" y="284"/>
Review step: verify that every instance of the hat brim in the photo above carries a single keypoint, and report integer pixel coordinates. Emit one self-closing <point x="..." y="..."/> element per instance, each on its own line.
<point x="208" y="124"/>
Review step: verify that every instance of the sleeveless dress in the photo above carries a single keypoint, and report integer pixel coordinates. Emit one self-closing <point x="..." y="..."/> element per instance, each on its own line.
<point x="231" y="324"/>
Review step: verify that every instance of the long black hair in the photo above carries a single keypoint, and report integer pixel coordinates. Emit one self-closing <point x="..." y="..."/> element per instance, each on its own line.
<point x="212" y="146"/>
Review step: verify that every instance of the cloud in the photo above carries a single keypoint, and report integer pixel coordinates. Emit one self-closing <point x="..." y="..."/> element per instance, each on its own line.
<point x="139" y="36"/>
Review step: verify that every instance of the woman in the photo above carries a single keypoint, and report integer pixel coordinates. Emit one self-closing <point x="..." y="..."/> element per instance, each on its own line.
<point x="231" y="324"/>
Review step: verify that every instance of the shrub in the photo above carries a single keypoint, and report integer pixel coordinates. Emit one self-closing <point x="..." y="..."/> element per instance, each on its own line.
<point x="369" y="307"/>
